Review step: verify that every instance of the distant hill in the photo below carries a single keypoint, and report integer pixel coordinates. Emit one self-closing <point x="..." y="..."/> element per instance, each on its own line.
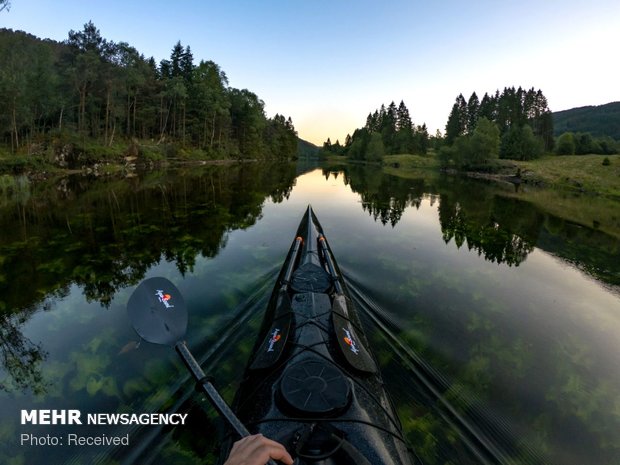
<point x="601" y="120"/>
<point x="306" y="149"/>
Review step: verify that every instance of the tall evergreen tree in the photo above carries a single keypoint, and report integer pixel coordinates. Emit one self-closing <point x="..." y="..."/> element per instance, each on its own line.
<point x="463" y="116"/>
<point x="187" y="64"/>
<point x="422" y="139"/>
<point x="403" y="119"/>
<point x="473" y="109"/>
<point x="457" y="121"/>
<point x="487" y="108"/>
<point x="388" y="128"/>
<point x="176" y="58"/>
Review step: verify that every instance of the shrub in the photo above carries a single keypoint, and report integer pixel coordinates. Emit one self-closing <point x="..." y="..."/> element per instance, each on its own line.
<point x="375" y="150"/>
<point x="565" y="144"/>
<point x="520" y="143"/>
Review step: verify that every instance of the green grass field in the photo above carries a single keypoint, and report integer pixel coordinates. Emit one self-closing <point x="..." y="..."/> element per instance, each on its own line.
<point x="585" y="173"/>
<point x="579" y="173"/>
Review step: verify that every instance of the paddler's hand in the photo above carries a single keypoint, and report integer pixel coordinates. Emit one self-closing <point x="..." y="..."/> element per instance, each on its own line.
<point x="257" y="450"/>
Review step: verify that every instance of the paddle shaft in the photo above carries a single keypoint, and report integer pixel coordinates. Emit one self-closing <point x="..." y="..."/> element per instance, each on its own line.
<point x="330" y="263"/>
<point x="216" y="400"/>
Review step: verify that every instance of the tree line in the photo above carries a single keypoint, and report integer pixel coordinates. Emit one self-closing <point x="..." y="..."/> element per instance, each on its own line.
<point x="512" y="124"/>
<point x="515" y="123"/>
<point x="389" y="130"/>
<point x="582" y="143"/>
<point x="99" y="89"/>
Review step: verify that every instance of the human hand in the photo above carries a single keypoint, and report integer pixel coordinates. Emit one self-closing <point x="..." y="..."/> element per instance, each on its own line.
<point x="257" y="450"/>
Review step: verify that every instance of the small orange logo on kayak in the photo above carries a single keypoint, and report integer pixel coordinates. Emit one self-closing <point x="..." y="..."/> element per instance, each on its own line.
<point x="348" y="338"/>
<point x="275" y="337"/>
<point x="164" y="298"/>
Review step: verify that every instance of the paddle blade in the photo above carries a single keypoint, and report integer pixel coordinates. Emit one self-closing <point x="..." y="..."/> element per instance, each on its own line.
<point x="157" y="311"/>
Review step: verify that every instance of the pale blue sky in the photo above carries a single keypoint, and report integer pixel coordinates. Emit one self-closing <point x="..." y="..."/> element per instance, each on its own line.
<point x="328" y="63"/>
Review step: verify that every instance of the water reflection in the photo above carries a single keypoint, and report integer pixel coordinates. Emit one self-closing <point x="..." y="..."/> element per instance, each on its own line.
<point x="385" y="198"/>
<point x="486" y="363"/>
<point x="481" y="217"/>
<point x="103" y="235"/>
<point x="21" y="357"/>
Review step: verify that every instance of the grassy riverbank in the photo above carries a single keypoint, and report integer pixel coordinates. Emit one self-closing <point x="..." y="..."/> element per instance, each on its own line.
<point x="573" y="173"/>
<point x="583" y="173"/>
<point x="68" y="153"/>
<point x="578" y="189"/>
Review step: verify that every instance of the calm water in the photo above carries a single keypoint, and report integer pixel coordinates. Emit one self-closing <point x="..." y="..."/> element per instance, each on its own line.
<point x="497" y="324"/>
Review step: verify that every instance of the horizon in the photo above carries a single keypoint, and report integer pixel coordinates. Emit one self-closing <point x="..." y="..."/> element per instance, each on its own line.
<point x="319" y="65"/>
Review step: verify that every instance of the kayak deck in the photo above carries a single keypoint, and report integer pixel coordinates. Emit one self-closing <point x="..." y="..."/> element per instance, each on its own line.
<point x="312" y="383"/>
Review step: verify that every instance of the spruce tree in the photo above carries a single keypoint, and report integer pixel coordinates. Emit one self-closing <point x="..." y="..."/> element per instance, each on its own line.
<point x="473" y="109"/>
<point x="453" y="126"/>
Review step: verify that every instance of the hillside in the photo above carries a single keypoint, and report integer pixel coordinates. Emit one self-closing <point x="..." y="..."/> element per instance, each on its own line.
<point x="601" y="120"/>
<point x="306" y="149"/>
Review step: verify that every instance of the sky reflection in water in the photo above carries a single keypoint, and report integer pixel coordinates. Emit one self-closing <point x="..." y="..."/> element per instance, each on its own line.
<point x="525" y="350"/>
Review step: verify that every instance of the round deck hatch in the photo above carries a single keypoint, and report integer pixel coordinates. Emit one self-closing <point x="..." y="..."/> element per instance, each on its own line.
<point x="313" y="387"/>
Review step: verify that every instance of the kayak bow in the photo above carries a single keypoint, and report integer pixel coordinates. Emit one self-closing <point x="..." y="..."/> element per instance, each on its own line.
<point x="313" y="384"/>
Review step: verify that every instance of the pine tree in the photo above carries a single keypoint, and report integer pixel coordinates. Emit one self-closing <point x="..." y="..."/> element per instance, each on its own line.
<point x="176" y="58"/>
<point x="388" y="129"/>
<point x="473" y="110"/>
<point x="422" y="139"/>
<point x="403" y="119"/>
<point x="186" y="64"/>
<point x="487" y="108"/>
<point x="463" y="117"/>
<point x="457" y="121"/>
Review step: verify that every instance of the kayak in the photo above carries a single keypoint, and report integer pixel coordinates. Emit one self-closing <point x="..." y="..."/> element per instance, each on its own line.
<point x="312" y="383"/>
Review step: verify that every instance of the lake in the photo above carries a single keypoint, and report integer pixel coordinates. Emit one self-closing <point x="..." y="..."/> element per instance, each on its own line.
<point x="494" y="316"/>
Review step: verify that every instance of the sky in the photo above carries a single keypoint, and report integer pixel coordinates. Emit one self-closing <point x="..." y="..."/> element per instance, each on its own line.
<point x="328" y="63"/>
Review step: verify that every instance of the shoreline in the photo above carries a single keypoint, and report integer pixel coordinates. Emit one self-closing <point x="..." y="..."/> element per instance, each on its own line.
<point x="582" y="174"/>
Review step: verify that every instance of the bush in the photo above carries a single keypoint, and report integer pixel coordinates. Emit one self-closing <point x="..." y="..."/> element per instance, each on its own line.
<point x="606" y="161"/>
<point x="608" y="146"/>
<point x="375" y="150"/>
<point x="520" y="143"/>
<point x="484" y="143"/>
<point x="565" y="144"/>
<point x="585" y="144"/>
<point x="447" y="156"/>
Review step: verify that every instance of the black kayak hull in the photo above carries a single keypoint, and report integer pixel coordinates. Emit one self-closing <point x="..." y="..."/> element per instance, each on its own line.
<point x="312" y="383"/>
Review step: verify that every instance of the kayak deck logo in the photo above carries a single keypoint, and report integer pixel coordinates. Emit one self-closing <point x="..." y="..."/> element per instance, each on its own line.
<point x="164" y="298"/>
<point x="348" y="338"/>
<point x="275" y="337"/>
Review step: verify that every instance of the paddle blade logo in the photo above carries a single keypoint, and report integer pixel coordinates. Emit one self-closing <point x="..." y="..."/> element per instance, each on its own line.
<point x="348" y="338"/>
<point x="164" y="298"/>
<point x="275" y="337"/>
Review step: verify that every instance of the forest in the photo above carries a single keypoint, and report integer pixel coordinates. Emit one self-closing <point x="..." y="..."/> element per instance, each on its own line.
<point x="602" y="121"/>
<point x="513" y="124"/>
<point x="88" y="96"/>
<point x="389" y="130"/>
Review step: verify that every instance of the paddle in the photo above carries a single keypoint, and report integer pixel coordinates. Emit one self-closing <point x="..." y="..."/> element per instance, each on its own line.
<point x="158" y="314"/>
